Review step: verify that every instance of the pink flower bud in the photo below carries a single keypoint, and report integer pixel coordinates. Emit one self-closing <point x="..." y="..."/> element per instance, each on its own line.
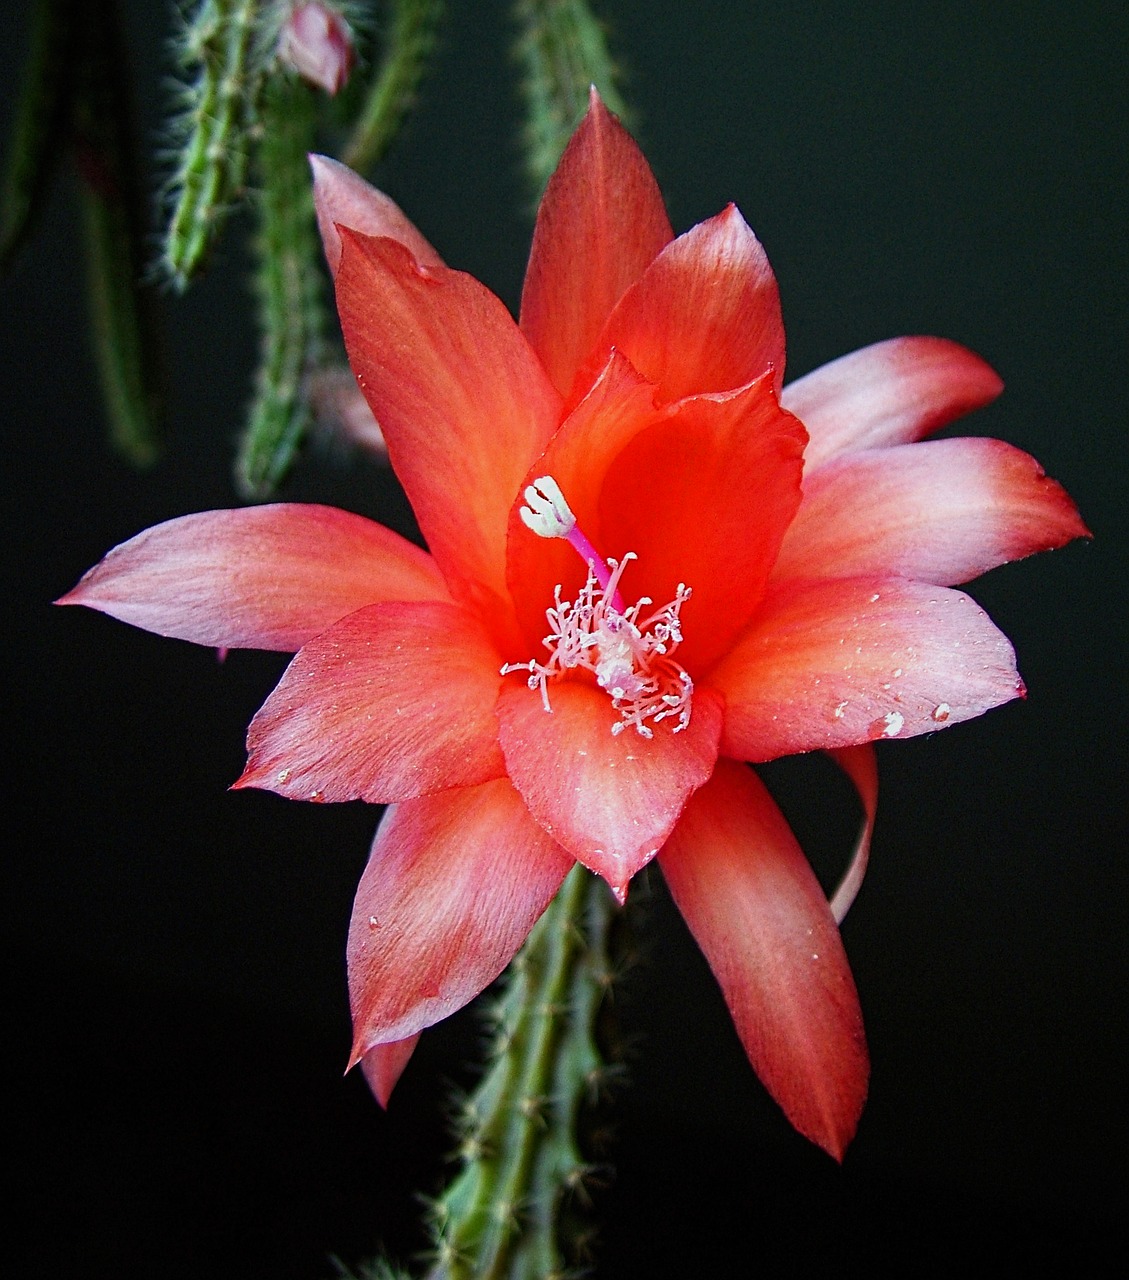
<point x="317" y="43"/>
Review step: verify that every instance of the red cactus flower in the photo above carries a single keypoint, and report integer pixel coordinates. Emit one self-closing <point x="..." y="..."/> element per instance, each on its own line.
<point x="648" y="566"/>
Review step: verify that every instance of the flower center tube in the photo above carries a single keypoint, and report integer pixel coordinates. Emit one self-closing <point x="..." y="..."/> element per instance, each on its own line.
<point x="630" y="655"/>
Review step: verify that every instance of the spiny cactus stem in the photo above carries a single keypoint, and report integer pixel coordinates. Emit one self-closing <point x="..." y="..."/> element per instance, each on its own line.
<point x="292" y="310"/>
<point x="218" y="49"/>
<point x="501" y="1218"/>
<point x="562" y="50"/>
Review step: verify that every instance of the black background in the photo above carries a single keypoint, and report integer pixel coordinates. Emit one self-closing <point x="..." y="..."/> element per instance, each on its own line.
<point x="177" y="1016"/>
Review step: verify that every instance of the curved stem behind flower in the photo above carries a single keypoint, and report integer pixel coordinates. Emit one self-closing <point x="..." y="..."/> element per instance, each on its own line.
<point x="408" y="44"/>
<point x="503" y="1215"/>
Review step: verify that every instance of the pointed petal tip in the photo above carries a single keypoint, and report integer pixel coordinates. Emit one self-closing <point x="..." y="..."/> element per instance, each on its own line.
<point x="384" y="1064"/>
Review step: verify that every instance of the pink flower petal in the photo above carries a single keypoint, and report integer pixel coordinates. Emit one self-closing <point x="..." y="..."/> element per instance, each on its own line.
<point x="462" y="400"/>
<point x="600" y="224"/>
<point x="941" y="511"/>
<point x="393" y="702"/>
<point x="705" y="499"/>
<point x="384" y="1064"/>
<point x="750" y="899"/>
<point x="453" y="886"/>
<point x="705" y="317"/>
<point x="342" y="197"/>
<point x="836" y="663"/>
<point x="610" y="800"/>
<point x="890" y="393"/>
<point x="861" y="766"/>
<point x="268" y="577"/>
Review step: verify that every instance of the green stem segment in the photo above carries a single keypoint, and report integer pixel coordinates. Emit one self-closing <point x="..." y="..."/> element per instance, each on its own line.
<point x="121" y="308"/>
<point x="223" y="64"/>
<point x="292" y="310"/>
<point x="408" y="43"/>
<point x="512" y="1213"/>
<point x="562" y="51"/>
<point x="40" y="122"/>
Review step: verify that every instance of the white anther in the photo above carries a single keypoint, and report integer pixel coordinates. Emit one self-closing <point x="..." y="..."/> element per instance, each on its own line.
<point x="547" y="512"/>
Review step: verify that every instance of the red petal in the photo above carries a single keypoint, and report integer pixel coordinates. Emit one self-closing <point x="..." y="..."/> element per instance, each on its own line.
<point x="836" y="663"/>
<point x="705" y="317"/>
<point x="268" y="577"/>
<point x="757" y="911"/>
<point x="889" y="393"/>
<point x="384" y="1065"/>
<point x="600" y="224"/>
<point x="342" y="197"/>
<point x="640" y="479"/>
<point x="394" y="701"/>
<point x="462" y="401"/>
<point x="705" y="499"/>
<point x="610" y="800"/>
<point x="453" y="886"/>
<point x="942" y="511"/>
<point x="861" y="766"/>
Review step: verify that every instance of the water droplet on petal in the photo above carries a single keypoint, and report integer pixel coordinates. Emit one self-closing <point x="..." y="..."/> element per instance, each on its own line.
<point x="941" y="712"/>
<point x="889" y="726"/>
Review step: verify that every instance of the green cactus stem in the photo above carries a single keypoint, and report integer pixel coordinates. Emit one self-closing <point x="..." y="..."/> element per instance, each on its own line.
<point x="408" y="43"/>
<point x="514" y="1211"/>
<point x="223" y="65"/>
<point x="41" y="118"/>
<point x="562" y="51"/>
<point x="121" y="308"/>
<point x="290" y="286"/>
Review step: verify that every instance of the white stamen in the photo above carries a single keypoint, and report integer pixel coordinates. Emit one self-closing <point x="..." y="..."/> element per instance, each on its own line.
<point x="547" y="514"/>
<point x="630" y="658"/>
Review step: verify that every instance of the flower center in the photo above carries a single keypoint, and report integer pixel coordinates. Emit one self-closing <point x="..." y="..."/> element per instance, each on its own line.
<point x="629" y="655"/>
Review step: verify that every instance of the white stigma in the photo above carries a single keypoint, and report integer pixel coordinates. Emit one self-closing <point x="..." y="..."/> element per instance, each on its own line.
<point x="547" y="512"/>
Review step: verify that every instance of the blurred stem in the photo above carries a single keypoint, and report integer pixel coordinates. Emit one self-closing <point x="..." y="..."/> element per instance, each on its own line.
<point x="408" y="43"/>
<point x="289" y="283"/>
<point x="41" y="117"/>
<point x="511" y="1212"/>
<point x="562" y="51"/>
<point x="121" y="311"/>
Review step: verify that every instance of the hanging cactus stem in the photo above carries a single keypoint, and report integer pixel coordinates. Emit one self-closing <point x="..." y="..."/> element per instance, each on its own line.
<point x="408" y="43"/>
<point x="121" y="309"/>
<point x="224" y="64"/>
<point x="562" y="51"/>
<point x="41" y="117"/>
<point x="289" y="282"/>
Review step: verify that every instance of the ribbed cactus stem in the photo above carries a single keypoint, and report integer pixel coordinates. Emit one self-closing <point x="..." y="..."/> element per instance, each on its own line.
<point x="292" y="308"/>
<point x="506" y="1216"/>
<point x="223" y="64"/>
<point x="562" y="51"/>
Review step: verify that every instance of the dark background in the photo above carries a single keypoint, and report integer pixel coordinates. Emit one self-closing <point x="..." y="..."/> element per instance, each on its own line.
<point x="177" y="1016"/>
